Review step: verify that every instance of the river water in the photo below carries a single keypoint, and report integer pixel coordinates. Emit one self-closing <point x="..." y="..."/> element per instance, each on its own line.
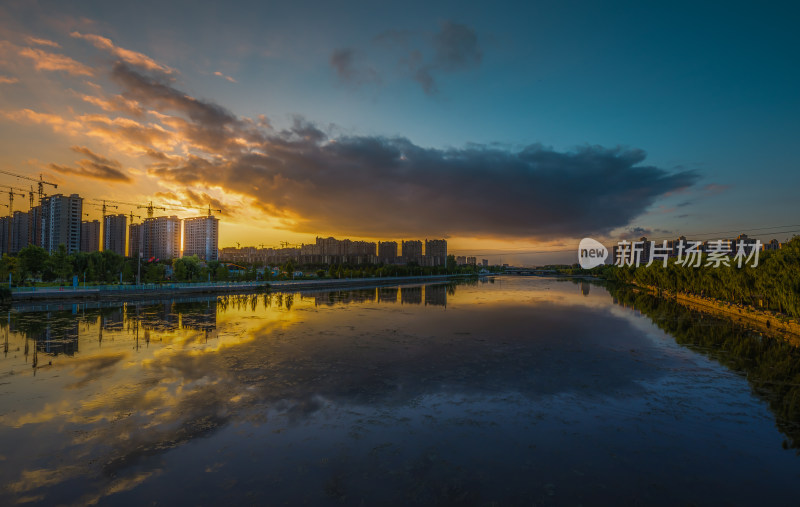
<point x="507" y="391"/>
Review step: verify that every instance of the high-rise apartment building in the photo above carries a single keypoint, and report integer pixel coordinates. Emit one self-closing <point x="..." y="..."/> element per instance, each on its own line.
<point x="35" y="226"/>
<point x="61" y="222"/>
<point x="201" y="238"/>
<point x="114" y="227"/>
<point x="5" y="238"/>
<point x="412" y="250"/>
<point x="20" y="228"/>
<point x="330" y="247"/>
<point x="360" y="248"/>
<point x="90" y="236"/>
<point x="135" y="240"/>
<point x="156" y="237"/>
<point x="14" y="233"/>
<point x="436" y="252"/>
<point x="162" y="237"/>
<point x="387" y="251"/>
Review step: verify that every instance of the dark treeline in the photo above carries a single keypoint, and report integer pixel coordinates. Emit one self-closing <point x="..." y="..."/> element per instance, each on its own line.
<point x="34" y="264"/>
<point x="774" y="284"/>
<point x="380" y="270"/>
<point x="771" y="364"/>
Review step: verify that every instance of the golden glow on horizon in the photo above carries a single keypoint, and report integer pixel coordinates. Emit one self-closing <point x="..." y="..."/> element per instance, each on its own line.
<point x="87" y="114"/>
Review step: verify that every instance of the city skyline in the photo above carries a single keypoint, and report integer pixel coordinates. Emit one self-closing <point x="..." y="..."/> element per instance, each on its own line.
<point x="52" y="223"/>
<point x="449" y="124"/>
<point x="58" y="220"/>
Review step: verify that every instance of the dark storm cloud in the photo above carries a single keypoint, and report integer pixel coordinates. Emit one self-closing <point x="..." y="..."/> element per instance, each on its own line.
<point x="421" y="73"/>
<point x="376" y="186"/>
<point x="156" y="93"/>
<point x="456" y="49"/>
<point x="350" y="70"/>
<point x="390" y="187"/>
<point x="95" y="167"/>
<point x="342" y="63"/>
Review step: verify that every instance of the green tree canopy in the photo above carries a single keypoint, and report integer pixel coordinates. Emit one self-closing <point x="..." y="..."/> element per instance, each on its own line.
<point x="32" y="260"/>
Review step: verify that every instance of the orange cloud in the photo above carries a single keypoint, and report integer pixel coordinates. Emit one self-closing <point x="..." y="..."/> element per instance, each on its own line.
<point x="191" y="199"/>
<point x="95" y="167"/>
<point x="223" y="76"/>
<point x="55" y="62"/>
<point x="123" y="134"/>
<point x="126" y="135"/>
<point x="42" y="42"/>
<point x="56" y="122"/>
<point x="117" y="103"/>
<point x="8" y="80"/>
<point x="132" y="57"/>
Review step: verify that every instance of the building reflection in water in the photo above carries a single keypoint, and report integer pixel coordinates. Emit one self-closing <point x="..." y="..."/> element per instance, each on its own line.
<point x="411" y="295"/>
<point x="58" y="329"/>
<point x="344" y="297"/>
<point x="387" y="294"/>
<point x="436" y="295"/>
<point x="431" y="294"/>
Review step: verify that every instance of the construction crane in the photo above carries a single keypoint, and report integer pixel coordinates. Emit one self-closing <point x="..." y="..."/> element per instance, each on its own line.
<point x="150" y="207"/>
<point x="101" y="207"/>
<point x="41" y="182"/>
<point x="185" y="206"/>
<point x="11" y="195"/>
<point x="209" y="208"/>
<point x="114" y="204"/>
<point x="104" y="205"/>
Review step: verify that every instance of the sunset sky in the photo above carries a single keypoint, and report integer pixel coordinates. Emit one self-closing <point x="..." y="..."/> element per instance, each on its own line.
<point x="508" y="129"/>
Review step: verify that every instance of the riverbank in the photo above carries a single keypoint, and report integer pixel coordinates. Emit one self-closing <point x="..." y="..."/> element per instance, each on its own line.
<point x="128" y="292"/>
<point x="761" y="320"/>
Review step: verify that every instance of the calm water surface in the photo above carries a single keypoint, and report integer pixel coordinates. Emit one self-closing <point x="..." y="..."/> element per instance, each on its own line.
<point x="521" y="391"/>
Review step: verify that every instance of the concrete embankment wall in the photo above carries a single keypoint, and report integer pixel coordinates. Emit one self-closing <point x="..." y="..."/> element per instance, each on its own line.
<point x="761" y="320"/>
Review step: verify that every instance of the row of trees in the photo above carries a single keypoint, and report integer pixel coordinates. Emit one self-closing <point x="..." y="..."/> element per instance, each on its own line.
<point x="774" y="284"/>
<point x="379" y="270"/>
<point x="34" y="263"/>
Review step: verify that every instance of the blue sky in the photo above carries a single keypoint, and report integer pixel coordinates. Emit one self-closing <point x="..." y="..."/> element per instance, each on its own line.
<point x="706" y="88"/>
